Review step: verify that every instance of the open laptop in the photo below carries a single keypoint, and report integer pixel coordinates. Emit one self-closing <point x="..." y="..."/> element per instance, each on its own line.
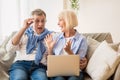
<point x="63" y="65"/>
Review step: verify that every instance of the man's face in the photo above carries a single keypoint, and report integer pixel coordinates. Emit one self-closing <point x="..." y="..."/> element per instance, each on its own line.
<point x="39" y="23"/>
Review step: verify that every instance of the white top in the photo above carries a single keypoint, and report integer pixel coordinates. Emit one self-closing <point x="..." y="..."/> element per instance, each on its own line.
<point x="20" y="50"/>
<point x="66" y="40"/>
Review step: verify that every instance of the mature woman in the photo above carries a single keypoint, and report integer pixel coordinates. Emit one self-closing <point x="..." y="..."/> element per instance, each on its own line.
<point x="68" y="42"/>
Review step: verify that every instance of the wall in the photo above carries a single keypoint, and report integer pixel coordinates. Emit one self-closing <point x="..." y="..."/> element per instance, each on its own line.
<point x="0" y="25"/>
<point x="94" y="15"/>
<point x="100" y="16"/>
<point x="9" y="17"/>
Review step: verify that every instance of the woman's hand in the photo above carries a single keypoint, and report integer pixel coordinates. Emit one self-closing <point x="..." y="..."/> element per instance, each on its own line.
<point x="49" y="43"/>
<point x="83" y="63"/>
<point x="67" y="47"/>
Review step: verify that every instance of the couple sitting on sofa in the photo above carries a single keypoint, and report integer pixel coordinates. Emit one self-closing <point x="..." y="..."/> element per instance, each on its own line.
<point x="33" y="42"/>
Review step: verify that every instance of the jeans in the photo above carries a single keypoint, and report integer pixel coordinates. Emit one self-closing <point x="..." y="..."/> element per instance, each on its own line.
<point x="80" y="77"/>
<point x="27" y="70"/>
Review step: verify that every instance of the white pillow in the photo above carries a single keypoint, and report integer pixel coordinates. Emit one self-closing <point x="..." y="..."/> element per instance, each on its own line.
<point x="93" y="44"/>
<point x="103" y="62"/>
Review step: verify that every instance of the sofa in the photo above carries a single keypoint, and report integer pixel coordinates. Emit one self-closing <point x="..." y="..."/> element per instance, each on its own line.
<point x="94" y="41"/>
<point x="6" y="59"/>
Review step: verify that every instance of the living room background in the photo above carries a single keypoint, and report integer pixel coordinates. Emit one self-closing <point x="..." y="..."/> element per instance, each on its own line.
<point x="93" y="15"/>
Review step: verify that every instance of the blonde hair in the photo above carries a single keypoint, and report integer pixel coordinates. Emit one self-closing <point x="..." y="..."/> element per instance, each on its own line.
<point x="69" y="17"/>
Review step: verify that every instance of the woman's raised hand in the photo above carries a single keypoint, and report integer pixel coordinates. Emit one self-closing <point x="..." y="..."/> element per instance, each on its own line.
<point x="49" y="42"/>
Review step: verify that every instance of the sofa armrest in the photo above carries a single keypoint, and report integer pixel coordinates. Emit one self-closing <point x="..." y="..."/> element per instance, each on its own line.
<point x="117" y="73"/>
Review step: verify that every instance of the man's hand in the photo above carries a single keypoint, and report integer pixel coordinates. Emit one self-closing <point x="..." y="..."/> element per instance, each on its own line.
<point x="28" y="22"/>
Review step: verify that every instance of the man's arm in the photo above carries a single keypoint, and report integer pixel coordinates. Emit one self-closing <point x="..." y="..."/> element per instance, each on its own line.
<point x="17" y="37"/>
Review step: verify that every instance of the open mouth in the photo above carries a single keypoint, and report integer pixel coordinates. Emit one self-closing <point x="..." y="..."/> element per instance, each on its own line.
<point x="39" y="28"/>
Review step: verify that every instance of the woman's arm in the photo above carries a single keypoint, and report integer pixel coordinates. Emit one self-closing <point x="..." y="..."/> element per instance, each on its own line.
<point x="83" y="52"/>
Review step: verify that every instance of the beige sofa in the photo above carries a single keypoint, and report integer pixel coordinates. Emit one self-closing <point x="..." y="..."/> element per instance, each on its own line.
<point x="6" y="59"/>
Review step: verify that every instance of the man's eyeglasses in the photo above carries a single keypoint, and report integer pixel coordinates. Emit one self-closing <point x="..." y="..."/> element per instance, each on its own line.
<point x="40" y="21"/>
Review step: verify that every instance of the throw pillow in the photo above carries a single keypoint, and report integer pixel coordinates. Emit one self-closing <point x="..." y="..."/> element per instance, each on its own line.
<point x="93" y="44"/>
<point x="2" y="48"/>
<point x="103" y="62"/>
<point x="2" y="53"/>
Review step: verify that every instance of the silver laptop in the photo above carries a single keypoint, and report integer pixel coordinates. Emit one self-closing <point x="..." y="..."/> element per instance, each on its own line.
<point x="63" y="65"/>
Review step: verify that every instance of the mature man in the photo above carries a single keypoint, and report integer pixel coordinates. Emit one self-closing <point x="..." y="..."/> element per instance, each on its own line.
<point x="28" y="41"/>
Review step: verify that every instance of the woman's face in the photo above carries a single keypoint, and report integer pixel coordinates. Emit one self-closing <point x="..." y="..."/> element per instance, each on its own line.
<point x="62" y="24"/>
<point x="39" y="23"/>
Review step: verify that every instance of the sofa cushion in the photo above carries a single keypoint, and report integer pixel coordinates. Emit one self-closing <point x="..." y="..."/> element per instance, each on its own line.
<point x="3" y="73"/>
<point x="100" y="36"/>
<point x="103" y="62"/>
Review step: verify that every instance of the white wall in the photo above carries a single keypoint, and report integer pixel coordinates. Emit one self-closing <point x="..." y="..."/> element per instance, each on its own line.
<point x="9" y="17"/>
<point x="100" y="16"/>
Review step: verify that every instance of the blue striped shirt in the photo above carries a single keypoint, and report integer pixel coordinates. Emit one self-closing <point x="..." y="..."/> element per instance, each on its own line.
<point x="79" y="44"/>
